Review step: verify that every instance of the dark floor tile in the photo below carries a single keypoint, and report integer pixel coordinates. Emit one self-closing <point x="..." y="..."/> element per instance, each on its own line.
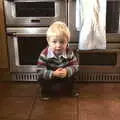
<point x="99" y="90"/>
<point x="55" y="109"/>
<point x="16" y="108"/>
<point x="94" y="109"/>
<point x="114" y="108"/>
<point x="18" y="89"/>
<point x="4" y="87"/>
<point x="13" y="119"/>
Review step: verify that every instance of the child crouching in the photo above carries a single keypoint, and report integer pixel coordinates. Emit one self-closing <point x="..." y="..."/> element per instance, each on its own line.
<point x="57" y="64"/>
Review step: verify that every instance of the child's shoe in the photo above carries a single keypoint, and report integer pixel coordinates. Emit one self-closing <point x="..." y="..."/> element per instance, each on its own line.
<point x="44" y="97"/>
<point x="75" y="94"/>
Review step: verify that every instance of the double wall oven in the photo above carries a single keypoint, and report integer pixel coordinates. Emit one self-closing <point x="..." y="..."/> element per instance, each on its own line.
<point x="26" y="24"/>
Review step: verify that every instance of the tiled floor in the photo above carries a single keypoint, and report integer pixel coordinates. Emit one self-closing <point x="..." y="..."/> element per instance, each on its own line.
<point x="97" y="101"/>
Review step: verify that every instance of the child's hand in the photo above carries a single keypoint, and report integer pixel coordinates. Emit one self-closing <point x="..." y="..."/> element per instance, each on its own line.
<point x="64" y="72"/>
<point x="60" y="72"/>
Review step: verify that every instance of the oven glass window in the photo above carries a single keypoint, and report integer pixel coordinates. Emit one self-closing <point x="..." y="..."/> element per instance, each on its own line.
<point x="29" y="49"/>
<point x="35" y="9"/>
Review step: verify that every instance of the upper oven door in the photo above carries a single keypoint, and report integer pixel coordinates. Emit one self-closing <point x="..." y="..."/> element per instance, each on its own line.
<point x="34" y="12"/>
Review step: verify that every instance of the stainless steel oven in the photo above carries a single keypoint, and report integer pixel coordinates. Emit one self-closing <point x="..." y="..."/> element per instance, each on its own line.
<point x="34" y="12"/>
<point x="24" y="46"/>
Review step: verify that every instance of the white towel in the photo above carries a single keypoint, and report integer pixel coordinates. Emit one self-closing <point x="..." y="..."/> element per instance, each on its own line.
<point x="91" y="24"/>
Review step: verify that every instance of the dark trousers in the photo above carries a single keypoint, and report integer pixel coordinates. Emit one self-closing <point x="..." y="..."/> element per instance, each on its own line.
<point x="57" y="86"/>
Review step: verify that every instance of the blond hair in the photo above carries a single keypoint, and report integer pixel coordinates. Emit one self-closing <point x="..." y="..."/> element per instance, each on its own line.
<point x="58" y="28"/>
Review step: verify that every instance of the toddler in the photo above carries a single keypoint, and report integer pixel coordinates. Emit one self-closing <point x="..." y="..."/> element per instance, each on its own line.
<point x="57" y="64"/>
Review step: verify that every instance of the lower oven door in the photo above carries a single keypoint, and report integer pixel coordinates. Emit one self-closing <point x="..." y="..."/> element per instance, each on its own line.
<point x="25" y="45"/>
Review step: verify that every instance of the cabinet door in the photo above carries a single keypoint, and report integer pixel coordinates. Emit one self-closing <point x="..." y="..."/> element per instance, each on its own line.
<point x="3" y="43"/>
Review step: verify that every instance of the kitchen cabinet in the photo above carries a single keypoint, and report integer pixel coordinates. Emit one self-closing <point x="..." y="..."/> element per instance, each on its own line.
<point x="4" y="68"/>
<point x="3" y="41"/>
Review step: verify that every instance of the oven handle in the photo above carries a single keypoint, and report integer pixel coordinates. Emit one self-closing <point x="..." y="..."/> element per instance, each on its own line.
<point x="25" y="34"/>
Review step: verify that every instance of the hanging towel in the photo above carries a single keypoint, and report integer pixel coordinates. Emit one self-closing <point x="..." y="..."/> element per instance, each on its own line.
<point x="91" y="24"/>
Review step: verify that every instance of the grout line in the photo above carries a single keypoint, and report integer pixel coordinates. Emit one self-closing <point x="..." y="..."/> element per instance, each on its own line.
<point x="78" y="108"/>
<point x="30" y="113"/>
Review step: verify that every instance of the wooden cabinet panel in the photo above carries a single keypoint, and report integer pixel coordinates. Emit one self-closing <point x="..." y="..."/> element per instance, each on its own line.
<point x="3" y="41"/>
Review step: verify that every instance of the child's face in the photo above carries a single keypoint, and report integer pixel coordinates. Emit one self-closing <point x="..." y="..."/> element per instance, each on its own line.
<point x="58" y="44"/>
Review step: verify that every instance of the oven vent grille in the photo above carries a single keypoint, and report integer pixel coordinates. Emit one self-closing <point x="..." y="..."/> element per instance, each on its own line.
<point x="23" y="76"/>
<point x="99" y="76"/>
<point x="82" y="76"/>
